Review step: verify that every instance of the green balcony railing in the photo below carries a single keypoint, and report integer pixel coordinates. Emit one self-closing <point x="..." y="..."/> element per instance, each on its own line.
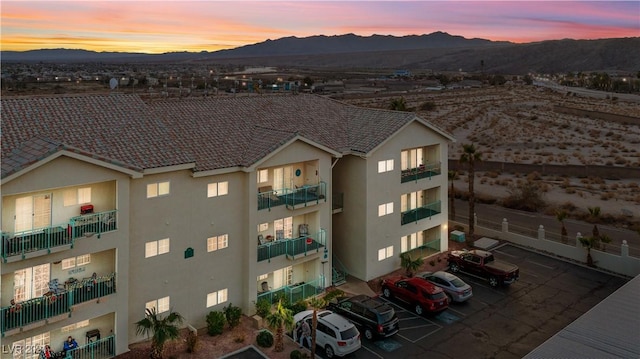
<point x="54" y="304"/>
<point x="293" y="247"/>
<point x="293" y="197"/>
<point x="103" y="348"/>
<point x="21" y="243"/>
<point x="428" y="210"/>
<point x="94" y="223"/>
<point x="425" y="250"/>
<point x="423" y="171"/>
<point x="295" y="292"/>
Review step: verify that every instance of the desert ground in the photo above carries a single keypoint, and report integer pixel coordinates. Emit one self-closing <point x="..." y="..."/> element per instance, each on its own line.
<point x="518" y="124"/>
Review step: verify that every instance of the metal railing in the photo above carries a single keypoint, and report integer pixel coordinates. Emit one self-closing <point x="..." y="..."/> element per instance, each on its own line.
<point x="293" y="247"/>
<point x="295" y="292"/>
<point x="415" y="214"/>
<point x="425" y="250"/>
<point x="53" y="304"/>
<point x="100" y="349"/>
<point x="339" y="271"/>
<point x="423" y="171"/>
<point x="293" y="197"/>
<point x="21" y="243"/>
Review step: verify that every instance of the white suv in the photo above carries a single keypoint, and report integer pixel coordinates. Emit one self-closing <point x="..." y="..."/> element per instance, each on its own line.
<point x="335" y="334"/>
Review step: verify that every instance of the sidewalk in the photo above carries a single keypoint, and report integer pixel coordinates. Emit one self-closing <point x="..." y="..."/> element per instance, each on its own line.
<point x="356" y="286"/>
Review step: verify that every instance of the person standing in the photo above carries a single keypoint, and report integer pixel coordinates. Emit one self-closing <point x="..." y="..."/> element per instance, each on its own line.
<point x="306" y="333"/>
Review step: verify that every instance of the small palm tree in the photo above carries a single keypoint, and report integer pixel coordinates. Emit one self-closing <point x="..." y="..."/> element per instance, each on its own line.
<point x="452" y="193"/>
<point x="162" y="329"/>
<point x="594" y="215"/>
<point x="588" y="243"/>
<point x="604" y="239"/>
<point x="398" y="104"/>
<point x="561" y="215"/>
<point x="470" y="156"/>
<point x="409" y="264"/>
<point x="280" y="319"/>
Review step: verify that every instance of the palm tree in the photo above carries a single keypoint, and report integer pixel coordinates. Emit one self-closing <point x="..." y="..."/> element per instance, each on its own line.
<point x="604" y="239"/>
<point x="588" y="243"/>
<point x="409" y="264"/>
<point x="163" y="330"/>
<point x="594" y="214"/>
<point x="469" y="156"/>
<point x="280" y="319"/>
<point x="452" y="193"/>
<point x="561" y="215"/>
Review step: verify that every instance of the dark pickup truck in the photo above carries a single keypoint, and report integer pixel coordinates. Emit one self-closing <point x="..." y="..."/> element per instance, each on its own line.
<point x="482" y="264"/>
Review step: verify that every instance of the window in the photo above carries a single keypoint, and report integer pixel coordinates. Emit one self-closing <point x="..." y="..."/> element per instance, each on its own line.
<point x="284" y="227"/>
<point x="157" y="189"/>
<point x="385" y="166"/>
<point x="28" y="348"/>
<point x="411" y="159"/>
<point x="263" y="276"/>
<point x="411" y="241"/>
<point x="217" y="242"/>
<point x="31" y="282"/>
<point x="155" y="248"/>
<point x="263" y="176"/>
<point x="385" y="209"/>
<point x="263" y="227"/>
<point x="161" y="305"/>
<point x="69" y="328"/>
<point x="84" y="195"/>
<point x="215" y="298"/>
<point x="217" y="189"/>
<point x="385" y="253"/>
<point x="76" y="261"/>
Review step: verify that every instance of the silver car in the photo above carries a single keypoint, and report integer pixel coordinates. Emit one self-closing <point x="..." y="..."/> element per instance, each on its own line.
<point x="454" y="287"/>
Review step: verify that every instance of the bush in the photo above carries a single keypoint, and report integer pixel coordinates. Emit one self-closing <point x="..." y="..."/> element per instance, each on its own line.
<point x="298" y="307"/>
<point x="233" y="315"/>
<point x="215" y="323"/>
<point x="264" y="339"/>
<point x="263" y="308"/>
<point x="296" y="354"/>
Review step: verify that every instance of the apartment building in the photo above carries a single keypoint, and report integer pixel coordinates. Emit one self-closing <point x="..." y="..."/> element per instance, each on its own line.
<point x="112" y="204"/>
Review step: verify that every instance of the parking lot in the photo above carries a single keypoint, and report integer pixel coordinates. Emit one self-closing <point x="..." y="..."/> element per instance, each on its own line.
<point x="505" y="322"/>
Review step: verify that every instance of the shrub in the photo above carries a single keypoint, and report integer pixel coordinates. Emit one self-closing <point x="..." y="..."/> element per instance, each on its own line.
<point x="264" y="339"/>
<point x="215" y="323"/>
<point x="263" y="307"/>
<point x="233" y="315"/>
<point x="296" y="354"/>
<point x="298" y="306"/>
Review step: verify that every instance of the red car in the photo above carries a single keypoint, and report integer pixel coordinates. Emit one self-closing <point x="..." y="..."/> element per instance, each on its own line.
<point x="422" y="295"/>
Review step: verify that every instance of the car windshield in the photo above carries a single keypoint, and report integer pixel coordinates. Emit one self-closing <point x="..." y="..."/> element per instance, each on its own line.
<point x="488" y="259"/>
<point x="457" y="283"/>
<point x="387" y="316"/>
<point x="349" y="333"/>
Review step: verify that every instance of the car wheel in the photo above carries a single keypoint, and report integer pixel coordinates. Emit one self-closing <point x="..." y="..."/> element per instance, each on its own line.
<point x="450" y="297"/>
<point x="368" y="334"/>
<point x="454" y="268"/>
<point x="386" y="292"/>
<point x="328" y="351"/>
<point x="493" y="281"/>
<point x="418" y="309"/>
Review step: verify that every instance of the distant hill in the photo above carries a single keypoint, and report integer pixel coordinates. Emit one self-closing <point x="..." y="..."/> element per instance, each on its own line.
<point x="437" y="51"/>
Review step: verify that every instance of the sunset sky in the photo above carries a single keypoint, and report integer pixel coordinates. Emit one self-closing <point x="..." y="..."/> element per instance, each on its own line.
<point x="164" y="26"/>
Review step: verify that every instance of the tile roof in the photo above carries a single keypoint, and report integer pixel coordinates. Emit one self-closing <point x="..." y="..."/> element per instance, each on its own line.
<point x="214" y="132"/>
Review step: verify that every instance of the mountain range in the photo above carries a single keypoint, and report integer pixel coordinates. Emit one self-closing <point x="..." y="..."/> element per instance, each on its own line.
<point x="437" y="51"/>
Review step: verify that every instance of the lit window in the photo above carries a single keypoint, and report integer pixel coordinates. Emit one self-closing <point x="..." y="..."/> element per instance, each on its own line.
<point x="217" y="189"/>
<point x="163" y="304"/>
<point x="155" y="248"/>
<point x="69" y="328"/>
<point x="157" y="189"/>
<point x="263" y="176"/>
<point x="385" y="166"/>
<point x="263" y="227"/>
<point x="263" y="276"/>
<point x="385" y="253"/>
<point x="84" y="195"/>
<point x="76" y="261"/>
<point x="217" y="242"/>
<point x="385" y="209"/>
<point x="216" y="298"/>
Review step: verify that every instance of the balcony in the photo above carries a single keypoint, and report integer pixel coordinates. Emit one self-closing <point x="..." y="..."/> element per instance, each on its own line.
<point x="415" y="214"/>
<point x="295" y="292"/>
<point x="422" y="171"/>
<point x="292" y="247"/>
<point x="430" y="248"/>
<point x="55" y="302"/>
<point x="100" y="349"/>
<point x="21" y="243"/>
<point x="293" y="198"/>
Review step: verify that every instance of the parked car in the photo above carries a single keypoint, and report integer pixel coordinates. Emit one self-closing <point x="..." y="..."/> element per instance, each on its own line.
<point x="484" y="265"/>
<point x="334" y="333"/>
<point x="419" y="293"/>
<point x="455" y="288"/>
<point x="372" y="316"/>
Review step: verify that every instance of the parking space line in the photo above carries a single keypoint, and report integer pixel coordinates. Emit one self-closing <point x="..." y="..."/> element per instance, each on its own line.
<point x="541" y="265"/>
<point x="507" y="254"/>
<point x="372" y="352"/>
<point x="457" y="311"/>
